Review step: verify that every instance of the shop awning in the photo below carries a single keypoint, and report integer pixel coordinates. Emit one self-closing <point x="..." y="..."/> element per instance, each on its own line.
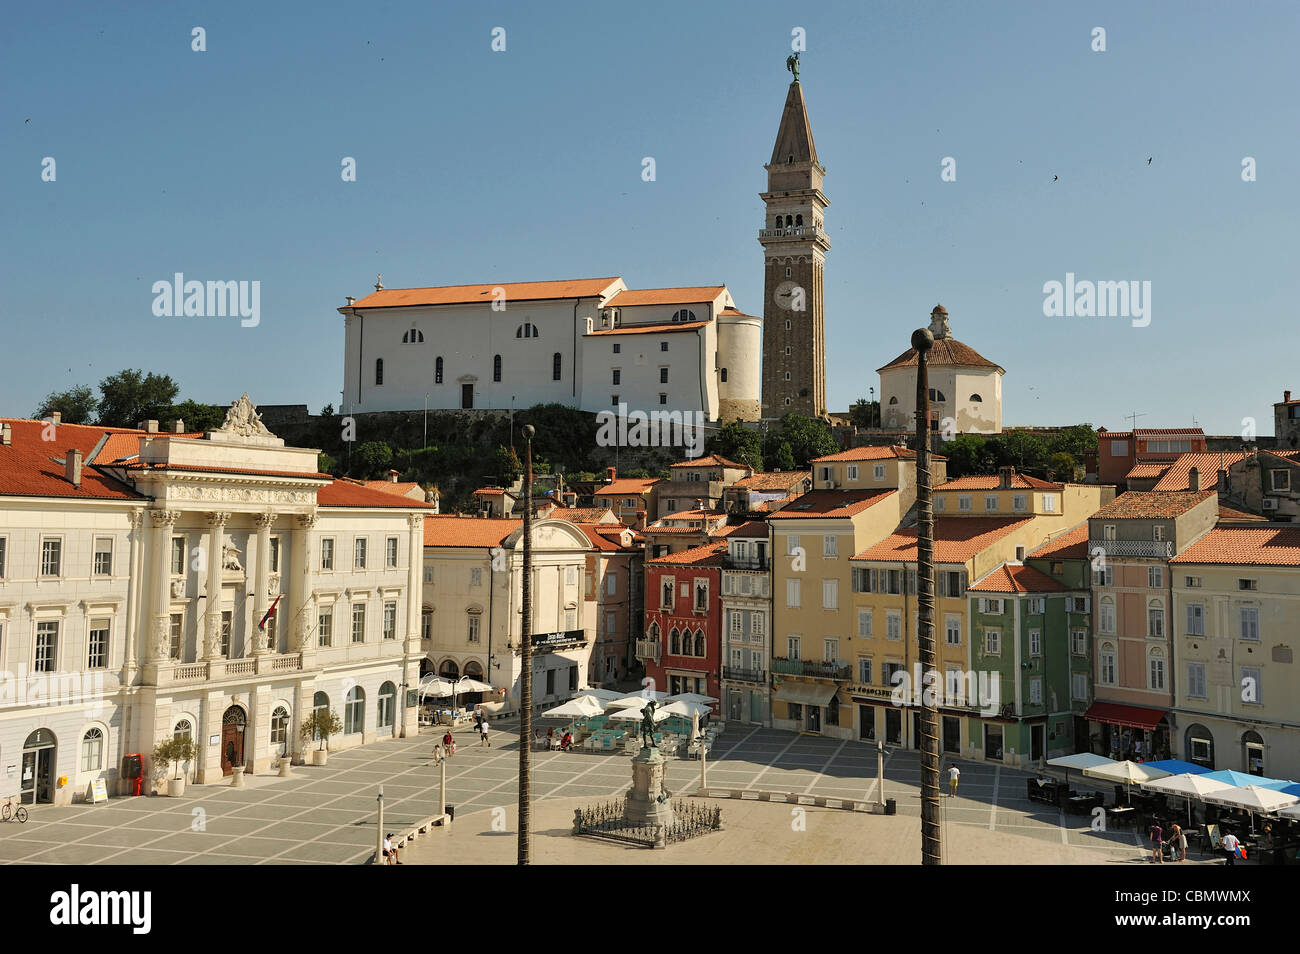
<point x="1135" y="717"/>
<point x="804" y="693"/>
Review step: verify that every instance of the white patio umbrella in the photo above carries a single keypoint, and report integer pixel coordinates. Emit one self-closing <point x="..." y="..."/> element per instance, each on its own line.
<point x="1126" y="772"/>
<point x="602" y="695"/>
<point x="1254" y="799"/>
<point x="1292" y="811"/>
<point x="1080" y="761"/>
<point x="636" y="699"/>
<point x="635" y="715"/>
<point x="692" y="697"/>
<point x="1186" y="786"/>
<point x="684" y="709"/>
<point x="577" y="708"/>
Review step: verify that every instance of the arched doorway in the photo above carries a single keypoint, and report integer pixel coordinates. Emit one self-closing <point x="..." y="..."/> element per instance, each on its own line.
<point x="449" y="669"/>
<point x="1252" y="753"/>
<point x="233" y="725"/>
<point x="472" y="671"/>
<point x="37" y="779"/>
<point x="1199" y="745"/>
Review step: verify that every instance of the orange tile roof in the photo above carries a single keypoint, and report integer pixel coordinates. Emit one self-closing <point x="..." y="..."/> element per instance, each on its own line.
<point x="773" y="480"/>
<point x="947" y="352"/>
<point x="456" y="531"/>
<point x="873" y="453"/>
<point x="692" y="514"/>
<point x="830" y="503"/>
<point x="699" y="294"/>
<point x="733" y="313"/>
<point x="1144" y="433"/>
<point x="592" y="515"/>
<point x="750" y="528"/>
<point x="712" y="460"/>
<point x="1227" y="513"/>
<point x="400" y="488"/>
<point x="28" y="468"/>
<point x="709" y="554"/>
<point x="1068" y="546"/>
<point x="956" y="539"/>
<point x="1245" y="546"/>
<point x="993" y="482"/>
<point x="625" y="487"/>
<point x="1009" y="578"/>
<point x="1152" y="503"/>
<point x="340" y="494"/>
<point x="464" y="294"/>
<point x="1176" y="478"/>
<point x="606" y="541"/>
<point x="1147" y="471"/>
<point x="489" y="492"/>
<point x="649" y="329"/>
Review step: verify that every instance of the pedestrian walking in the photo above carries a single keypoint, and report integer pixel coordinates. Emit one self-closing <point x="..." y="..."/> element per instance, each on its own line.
<point x="1231" y="845"/>
<point x="1157" y="836"/>
<point x="537" y="739"/>
<point x="483" y="735"/>
<point x="1178" y="841"/>
<point x="954" y="776"/>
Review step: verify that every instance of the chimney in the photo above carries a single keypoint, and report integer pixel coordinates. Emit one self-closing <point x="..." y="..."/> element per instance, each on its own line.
<point x="610" y="474"/>
<point x="1286" y="396"/>
<point x="392" y="476"/>
<point x="178" y="426"/>
<point x="151" y="427"/>
<point x="56" y="418"/>
<point x="6" y="434"/>
<point x="72" y="467"/>
<point x="1194" y="480"/>
<point x="351" y="299"/>
<point x="1222" y="486"/>
<point x="1005" y="476"/>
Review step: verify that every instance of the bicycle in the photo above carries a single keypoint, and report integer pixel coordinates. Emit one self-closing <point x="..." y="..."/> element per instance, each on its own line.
<point x="9" y="810"/>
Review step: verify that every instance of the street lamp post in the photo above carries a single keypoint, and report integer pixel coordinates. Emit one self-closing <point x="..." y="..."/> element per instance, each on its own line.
<point x="526" y="661"/>
<point x="923" y="341"/>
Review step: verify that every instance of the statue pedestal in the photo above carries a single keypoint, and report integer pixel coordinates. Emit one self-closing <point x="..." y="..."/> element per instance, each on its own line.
<point x="647" y="800"/>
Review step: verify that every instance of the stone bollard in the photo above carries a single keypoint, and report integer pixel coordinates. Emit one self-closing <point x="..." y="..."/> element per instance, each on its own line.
<point x="577" y="820"/>
<point x="285" y="762"/>
<point x="660" y="839"/>
<point x="237" y="776"/>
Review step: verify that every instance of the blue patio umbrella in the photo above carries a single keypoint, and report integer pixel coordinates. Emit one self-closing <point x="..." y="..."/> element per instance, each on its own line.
<point x="1177" y="767"/>
<point x="1241" y="779"/>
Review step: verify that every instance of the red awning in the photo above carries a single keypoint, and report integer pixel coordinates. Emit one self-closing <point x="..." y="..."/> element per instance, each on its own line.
<point x="1137" y="717"/>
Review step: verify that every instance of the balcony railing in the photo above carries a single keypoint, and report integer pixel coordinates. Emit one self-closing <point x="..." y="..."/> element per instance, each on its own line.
<point x="806" y="667"/>
<point x="743" y="675"/>
<point x="1156" y="549"/>
<point x="792" y="232"/>
<point x="648" y="649"/>
<point x="730" y="563"/>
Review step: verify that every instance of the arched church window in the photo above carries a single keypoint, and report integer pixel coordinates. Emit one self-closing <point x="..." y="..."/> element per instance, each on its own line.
<point x="976" y="399"/>
<point x="684" y="314"/>
<point x="556" y="365"/>
<point x="789" y="221"/>
<point x="893" y="400"/>
<point x="496" y="368"/>
<point x="798" y="220"/>
<point x="414" y="336"/>
<point x="379" y="371"/>
<point x="437" y="370"/>
<point x="724" y="375"/>
<point x="937" y="396"/>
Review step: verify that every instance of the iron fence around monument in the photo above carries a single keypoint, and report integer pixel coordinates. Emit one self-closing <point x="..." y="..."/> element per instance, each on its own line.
<point x="609" y="820"/>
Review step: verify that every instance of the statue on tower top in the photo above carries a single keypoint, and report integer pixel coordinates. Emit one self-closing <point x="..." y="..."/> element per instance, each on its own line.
<point x="792" y="64"/>
<point x="939" y="323"/>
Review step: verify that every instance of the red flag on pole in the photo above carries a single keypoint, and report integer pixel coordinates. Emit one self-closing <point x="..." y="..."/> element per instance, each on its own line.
<point x="269" y="612"/>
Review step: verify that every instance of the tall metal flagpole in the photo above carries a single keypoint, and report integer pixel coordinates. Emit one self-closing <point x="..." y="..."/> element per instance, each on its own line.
<point x="526" y="662"/>
<point x="923" y="341"/>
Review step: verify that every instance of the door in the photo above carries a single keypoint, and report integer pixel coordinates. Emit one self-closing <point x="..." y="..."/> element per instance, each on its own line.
<point x="36" y="783"/>
<point x="233" y="724"/>
<point x="993" y="742"/>
<point x="1035" y="742"/>
<point x="952" y="735"/>
<point x="893" y="726"/>
<point x="755" y="707"/>
<point x="467" y="395"/>
<point x="733" y="705"/>
<point x="814" y="718"/>
<point x="866" y="722"/>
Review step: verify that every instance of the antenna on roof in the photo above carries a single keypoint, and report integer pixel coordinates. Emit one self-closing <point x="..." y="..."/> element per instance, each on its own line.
<point x="1133" y="417"/>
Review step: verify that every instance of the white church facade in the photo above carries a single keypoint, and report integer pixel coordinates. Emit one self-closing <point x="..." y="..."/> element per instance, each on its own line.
<point x="591" y="344"/>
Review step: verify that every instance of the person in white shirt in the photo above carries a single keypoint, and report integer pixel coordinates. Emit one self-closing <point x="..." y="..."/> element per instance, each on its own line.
<point x="954" y="775"/>
<point x="390" y="853"/>
<point x="1230" y="844"/>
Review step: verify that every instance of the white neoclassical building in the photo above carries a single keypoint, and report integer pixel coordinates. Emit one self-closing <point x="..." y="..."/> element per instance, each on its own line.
<point x="965" y="386"/>
<point x="591" y="344"/>
<point x="212" y="585"/>
<point x="472" y="619"/>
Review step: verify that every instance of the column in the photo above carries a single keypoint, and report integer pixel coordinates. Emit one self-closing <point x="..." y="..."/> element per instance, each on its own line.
<point x="407" y="718"/>
<point x="262" y="584"/>
<point x="134" y="597"/>
<point x="212" y="605"/>
<point x="159" y="648"/>
<point x="300" y="597"/>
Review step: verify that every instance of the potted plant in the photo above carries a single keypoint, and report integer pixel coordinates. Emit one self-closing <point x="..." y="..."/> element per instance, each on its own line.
<point x="321" y="724"/>
<point x="174" y="751"/>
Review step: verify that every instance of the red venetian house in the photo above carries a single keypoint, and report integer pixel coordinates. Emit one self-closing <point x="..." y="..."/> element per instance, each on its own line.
<point x="682" y="645"/>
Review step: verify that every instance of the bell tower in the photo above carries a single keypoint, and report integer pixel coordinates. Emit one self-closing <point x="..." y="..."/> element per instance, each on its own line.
<point x="794" y="244"/>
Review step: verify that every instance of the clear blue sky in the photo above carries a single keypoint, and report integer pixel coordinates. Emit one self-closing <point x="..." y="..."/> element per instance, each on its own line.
<point x="476" y="166"/>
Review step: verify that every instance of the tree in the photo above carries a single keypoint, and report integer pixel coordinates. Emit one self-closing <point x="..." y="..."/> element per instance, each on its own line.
<point x="507" y="466"/>
<point x="807" y="437"/>
<point x="373" y="458"/>
<point x="742" y="444"/>
<point x="325" y="463"/>
<point x="967" y="454"/>
<point x="174" y="751"/>
<point x="864" y="413"/>
<point x="130" y="396"/>
<point x="782" y="457"/>
<point x="1020" y="450"/>
<point x="1062" y="465"/>
<point x="1077" y="441"/>
<point x="75" y="405"/>
<point x="321" y="724"/>
<point x="198" y="417"/>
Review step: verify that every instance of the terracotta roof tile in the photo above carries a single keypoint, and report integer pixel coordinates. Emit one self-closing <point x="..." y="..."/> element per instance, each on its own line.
<point x="956" y="539"/>
<point x="773" y="480"/>
<point x="993" y="482"/>
<point x="401" y="488"/>
<point x="709" y="554"/>
<point x="1176" y="477"/>
<point x="1245" y="546"/>
<point x="340" y="494"/>
<point x="700" y="294"/>
<point x="592" y="515"/>
<point x="1068" y="546"/>
<point x="28" y="467"/>
<point x="874" y="453"/>
<point x="649" y="329"/>
<point x="625" y="487"/>
<point x="1011" y="578"/>
<point x="1152" y="503"/>
<point x="947" y="352"/>
<point x="1147" y="471"/>
<point x="456" y="531"/>
<point x="464" y="294"/>
<point x="830" y="503"/>
<point x="1228" y="514"/>
<point x="712" y="460"/>
<point x="733" y="313"/>
<point x="750" y="528"/>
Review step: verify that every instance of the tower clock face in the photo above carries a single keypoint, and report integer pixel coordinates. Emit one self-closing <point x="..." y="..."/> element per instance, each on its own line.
<point x="785" y="295"/>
